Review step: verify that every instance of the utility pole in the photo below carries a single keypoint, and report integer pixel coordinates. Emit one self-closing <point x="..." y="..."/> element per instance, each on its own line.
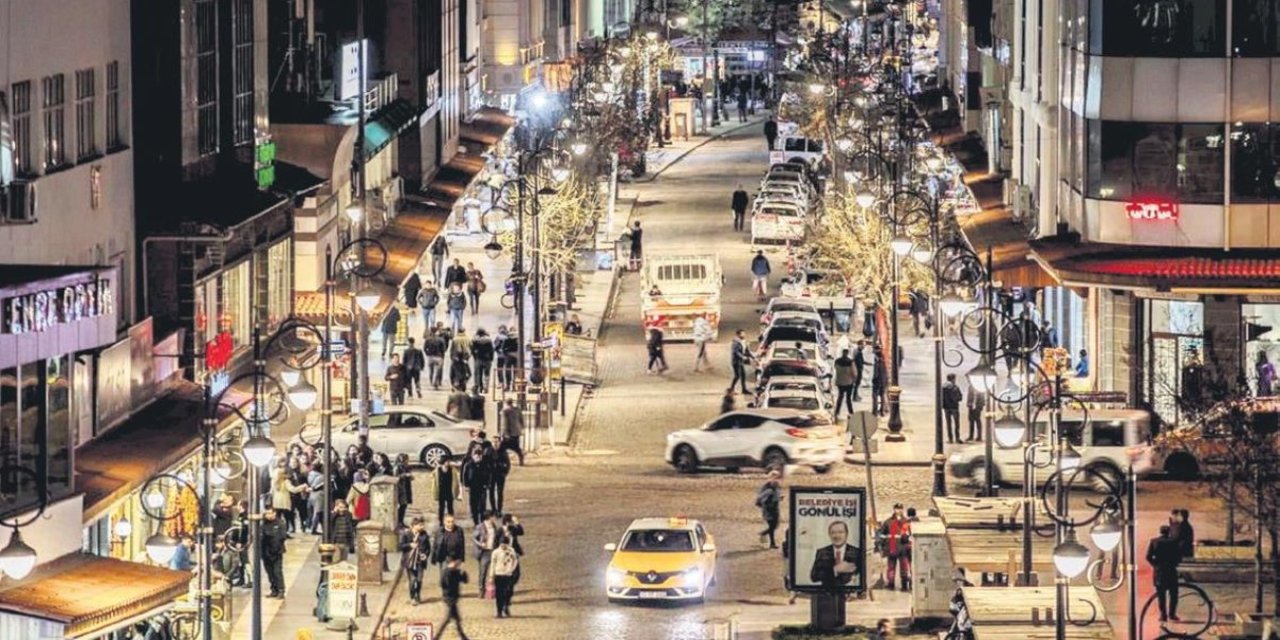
<point x="361" y="198"/>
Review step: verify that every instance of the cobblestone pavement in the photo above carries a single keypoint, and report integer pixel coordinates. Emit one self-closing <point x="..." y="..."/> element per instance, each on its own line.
<point x="574" y="502"/>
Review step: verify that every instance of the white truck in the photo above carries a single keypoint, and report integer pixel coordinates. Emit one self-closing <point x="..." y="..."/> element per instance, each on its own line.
<point x="677" y="289"/>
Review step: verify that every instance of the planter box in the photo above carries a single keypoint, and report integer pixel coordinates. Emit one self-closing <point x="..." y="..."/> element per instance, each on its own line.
<point x="1224" y="552"/>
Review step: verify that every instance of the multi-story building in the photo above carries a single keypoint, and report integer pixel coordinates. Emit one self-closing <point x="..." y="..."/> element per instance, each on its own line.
<point x="1141" y="165"/>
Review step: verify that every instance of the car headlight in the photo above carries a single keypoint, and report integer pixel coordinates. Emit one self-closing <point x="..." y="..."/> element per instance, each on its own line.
<point x="615" y="576"/>
<point x="691" y="578"/>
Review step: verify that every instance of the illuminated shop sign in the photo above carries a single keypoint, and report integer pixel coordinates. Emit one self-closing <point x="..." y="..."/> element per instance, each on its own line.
<point x="44" y="310"/>
<point x="1151" y="210"/>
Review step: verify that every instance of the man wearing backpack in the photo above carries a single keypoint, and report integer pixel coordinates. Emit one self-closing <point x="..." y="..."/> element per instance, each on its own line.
<point x="504" y="565"/>
<point x="428" y="300"/>
<point x="951" y="399"/>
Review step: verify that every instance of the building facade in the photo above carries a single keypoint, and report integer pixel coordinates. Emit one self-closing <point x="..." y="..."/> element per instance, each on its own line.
<point x="66" y="172"/>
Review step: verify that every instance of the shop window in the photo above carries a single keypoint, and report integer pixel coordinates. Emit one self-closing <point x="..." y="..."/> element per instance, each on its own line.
<point x="1255" y="27"/>
<point x="35" y="423"/>
<point x="1262" y="335"/>
<point x="1255" y="173"/>
<point x="279" y="283"/>
<point x="58" y="415"/>
<point x="1175" y="331"/>
<point x="1159" y="28"/>
<point x="1181" y="161"/>
<point x="233" y="304"/>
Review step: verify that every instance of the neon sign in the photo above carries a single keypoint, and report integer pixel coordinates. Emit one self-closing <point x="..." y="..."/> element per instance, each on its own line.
<point x="217" y="352"/>
<point x="1151" y="210"/>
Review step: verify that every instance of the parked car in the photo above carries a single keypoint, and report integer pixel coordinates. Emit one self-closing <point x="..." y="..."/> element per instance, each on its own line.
<point x="1108" y="440"/>
<point x="803" y="319"/>
<point x="810" y="352"/>
<point x="779" y="303"/>
<point x="811" y="151"/>
<point x="790" y="369"/>
<point x="757" y="438"/>
<point x="430" y="437"/>
<point x="787" y="392"/>
<point x="779" y="222"/>
<point x="788" y="335"/>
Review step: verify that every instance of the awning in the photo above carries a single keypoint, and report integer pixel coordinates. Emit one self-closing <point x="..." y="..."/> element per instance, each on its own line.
<point x="309" y="306"/>
<point x="1189" y="269"/>
<point x="91" y="594"/>
<point x="425" y="213"/>
<point x="159" y="436"/>
<point x="386" y="123"/>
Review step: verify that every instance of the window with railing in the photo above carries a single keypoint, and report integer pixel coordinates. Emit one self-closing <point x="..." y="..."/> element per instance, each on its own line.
<point x="206" y="27"/>
<point x="21" y="117"/>
<point x="55" y="132"/>
<point x="86" y="121"/>
<point x="242" y="71"/>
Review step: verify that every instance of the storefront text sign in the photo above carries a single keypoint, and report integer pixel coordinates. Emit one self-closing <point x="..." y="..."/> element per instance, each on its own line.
<point x="44" y="310"/>
<point x="1151" y="210"/>
<point x="343" y="590"/>
<point x="419" y="631"/>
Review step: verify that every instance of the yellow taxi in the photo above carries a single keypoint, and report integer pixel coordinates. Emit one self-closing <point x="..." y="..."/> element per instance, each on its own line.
<point x="661" y="559"/>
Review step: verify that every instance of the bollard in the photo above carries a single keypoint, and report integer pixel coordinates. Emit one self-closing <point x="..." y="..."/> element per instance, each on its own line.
<point x="363" y="611"/>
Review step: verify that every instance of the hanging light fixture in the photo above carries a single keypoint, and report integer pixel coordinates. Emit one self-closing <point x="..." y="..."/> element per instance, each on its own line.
<point x="1070" y="558"/>
<point x="17" y="559"/>
<point x="1009" y="431"/>
<point x="219" y="473"/>
<point x="353" y="213"/>
<point x="982" y="377"/>
<point x="579" y="148"/>
<point x="922" y="253"/>
<point x="290" y="376"/>
<point x="901" y="245"/>
<point x="160" y="548"/>
<point x="493" y="249"/>
<point x="153" y="498"/>
<point x="1106" y="532"/>
<point x="123" y="528"/>
<point x="259" y="450"/>
<point x="560" y="173"/>
<point x="865" y="199"/>
<point x="368" y="298"/>
<point x="303" y="396"/>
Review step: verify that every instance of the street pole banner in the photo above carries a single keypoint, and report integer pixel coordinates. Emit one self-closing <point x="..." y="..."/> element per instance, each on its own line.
<point x="828" y="539"/>
<point x="419" y="631"/>
<point x="344" y="590"/>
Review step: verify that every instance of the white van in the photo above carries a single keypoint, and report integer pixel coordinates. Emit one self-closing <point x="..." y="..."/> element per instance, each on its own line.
<point x="676" y="289"/>
<point x="798" y="148"/>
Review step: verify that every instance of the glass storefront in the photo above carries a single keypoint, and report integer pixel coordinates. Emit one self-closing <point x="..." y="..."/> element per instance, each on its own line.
<point x="1067" y="314"/>
<point x="222" y="304"/>
<point x="36" y="441"/>
<point x="1175" y="340"/>
<point x="1262" y="335"/>
<point x="279" y="283"/>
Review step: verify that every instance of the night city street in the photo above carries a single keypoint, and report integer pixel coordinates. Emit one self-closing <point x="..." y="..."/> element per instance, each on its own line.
<point x="639" y="320"/>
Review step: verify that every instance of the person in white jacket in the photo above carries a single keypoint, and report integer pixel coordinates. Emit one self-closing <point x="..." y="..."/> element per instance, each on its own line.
<point x="702" y="334"/>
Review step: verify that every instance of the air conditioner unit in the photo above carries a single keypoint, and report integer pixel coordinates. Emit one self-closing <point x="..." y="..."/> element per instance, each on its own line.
<point x="19" y="203"/>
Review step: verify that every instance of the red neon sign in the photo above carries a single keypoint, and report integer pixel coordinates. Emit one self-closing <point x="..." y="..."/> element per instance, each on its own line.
<point x="1151" y="210"/>
<point x="217" y="352"/>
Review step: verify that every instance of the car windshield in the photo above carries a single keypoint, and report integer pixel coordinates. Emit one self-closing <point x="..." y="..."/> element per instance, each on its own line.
<point x="780" y="211"/>
<point x="791" y="386"/>
<point x="788" y="369"/>
<point x="795" y="144"/>
<point x="805" y="421"/>
<point x="791" y="306"/>
<point x="792" y="353"/>
<point x="658" y="540"/>
<point x="804" y="403"/>
<point x="790" y="334"/>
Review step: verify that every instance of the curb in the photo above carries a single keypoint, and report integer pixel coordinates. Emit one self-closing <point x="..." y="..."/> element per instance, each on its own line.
<point x="889" y="463"/>
<point x="713" y="137"/>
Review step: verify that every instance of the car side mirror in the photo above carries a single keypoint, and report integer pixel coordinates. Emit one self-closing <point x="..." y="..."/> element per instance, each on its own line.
<point x="611" y="547"/>
<point x="709" y="547"/>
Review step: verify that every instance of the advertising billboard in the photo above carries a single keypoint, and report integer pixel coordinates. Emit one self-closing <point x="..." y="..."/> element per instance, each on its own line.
<point x="346" y="80"/>
<point x="828" y="546"/>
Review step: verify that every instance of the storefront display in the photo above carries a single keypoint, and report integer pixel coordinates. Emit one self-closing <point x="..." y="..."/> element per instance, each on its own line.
<point x="1262" y="347"/>
<point x="1175" y="342"/>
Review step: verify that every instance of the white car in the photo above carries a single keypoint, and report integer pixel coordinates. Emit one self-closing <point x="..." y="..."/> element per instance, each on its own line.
<point x="430" y="437"/>
<point x="768" y="438"/>
<point x="783" y="191"/>
<point x="779" y="222"/>
<point x="808" y="351"/>
<point x="806" y="319"/>
<point x="1109" y="440"/>
<point x="804" y="394"/>
<point x="779" y="303"/>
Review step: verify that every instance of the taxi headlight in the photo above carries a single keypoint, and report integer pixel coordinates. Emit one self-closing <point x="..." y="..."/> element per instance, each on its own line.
<point x="691" y="578"/>
<point x="615" y="576"/>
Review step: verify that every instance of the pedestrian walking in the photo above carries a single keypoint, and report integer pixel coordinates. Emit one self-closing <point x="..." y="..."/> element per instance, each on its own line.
<point x="459" y="372"/>
<point x="358" y="496"/>
<point x="656" y="355"/>
<point x="951" y="398"/>
<point x="859" y="364"/>
<point x="282" y="490"/>
<point x="456" y="303"/>
<point x="740" y="203"/>
<point x="475" y="287"/>
<point x="770" y="132"/>
<point x="413" y="362"/>
<point x="390" y="323"/>
<point x="920" y="312"/>
<point x="895" y="541"/>
<point x="439" y="253"/>
<point x="451" y="542"/>
<point x="879" y="386"/>
<point x="458" y="404"/>
<point x="503" y="567"/>
<point x="417" y="557"/>
<point x="740" y="355"/>
<point x="844" y="382"/>
<point x="394" y="377"/>
<point x="512" y="429"/>
<point x="742" y="104"/>
<point x="485" y="538"/>
<point x="976" y="402"/>
<point x="1048" y="335"/>
<point x="506" y="347"/>
<point x="769" y="501"/>
<point x="274" y="535"/>
<point x="501" y="469"/>
<point x="455" y="275"/>
<point x="637" y="245"/>
<point x="428" y="300"/>
<point x="451" y="580"/>
<point x="445" y="483"/>
<point x="476" y="475"/>
<point x="1164" y="556"/>
<point x="409" y="291"/>
<point x="702" y="334"/>
<point x="482" y="356"/>
<point x="1181" y="531"/>
<point x="574" y="326"/>
<point x="1262" y="366"/>
<point x="433" y="349"/>
<point x="760" y="271"/>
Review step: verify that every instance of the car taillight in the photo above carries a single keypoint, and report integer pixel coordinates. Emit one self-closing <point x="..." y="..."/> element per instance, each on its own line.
<point x="798" y="433"/>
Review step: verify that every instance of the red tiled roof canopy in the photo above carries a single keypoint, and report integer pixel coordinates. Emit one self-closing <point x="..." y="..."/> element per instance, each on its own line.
<point x="1158" y="267"/>
<point x="1196" y="268"/>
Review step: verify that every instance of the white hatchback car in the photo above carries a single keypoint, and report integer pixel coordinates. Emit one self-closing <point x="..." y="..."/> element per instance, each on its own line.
<point x="803" y="394"/>
<point x="769" y="438"/>
<point x="430" y="437"/>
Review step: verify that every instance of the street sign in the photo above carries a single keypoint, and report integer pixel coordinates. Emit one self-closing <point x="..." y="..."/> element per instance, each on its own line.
<point x="419" y="631"/>
<point x="344" y="590"/>
<point x="863" y="424"/>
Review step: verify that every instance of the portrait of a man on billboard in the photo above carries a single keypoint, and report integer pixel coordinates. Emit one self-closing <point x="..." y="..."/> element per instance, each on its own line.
<point x="827" y="552"/>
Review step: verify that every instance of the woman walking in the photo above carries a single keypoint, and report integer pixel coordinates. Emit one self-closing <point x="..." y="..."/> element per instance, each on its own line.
<point x="475" y="287"/>
<point x="656" y="355"/>
<point x="769" y="500"/>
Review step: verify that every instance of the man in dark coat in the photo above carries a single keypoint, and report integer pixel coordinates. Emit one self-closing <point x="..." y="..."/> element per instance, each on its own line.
<point x="274" y="534"/>
<point x="741" y="356"/>
<point x="390" y="322"/>
<point x="1164" y="555"/>
<point x="859" y="363"/>
<point x="477" y="474"/>
<point x="770" y="132"/>
<point x="769" y="499"/>
<point x="417" y="556"/>
<point x="512" y="429"/>
<point x="977" y="404"/>
<point x="879" y="386"/>
<point x="951" y="397"/>
<point x="433" y="348"/>
<point x="839" y="563"/>
<point x="455" y="274"/>
<point x="482" y="353"/>
<point x="637" y="245"/>
<point x="439" y="251"/>
<point x="344" y="527"/>
<point x="414" y="361"/>
<point x="411" y="288"/>
<point x="452" y="577"/>
<point x="395" y="378"/>
<point x="740" y="202"/>
<point x="451" y="542"/>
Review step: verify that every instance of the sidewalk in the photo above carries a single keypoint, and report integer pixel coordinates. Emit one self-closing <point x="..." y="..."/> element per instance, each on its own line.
<point x="660" y="159"/>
